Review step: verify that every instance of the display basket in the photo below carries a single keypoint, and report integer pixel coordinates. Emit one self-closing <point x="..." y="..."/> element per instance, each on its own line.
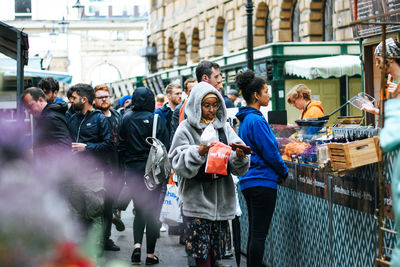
<point x="355" y="154"/>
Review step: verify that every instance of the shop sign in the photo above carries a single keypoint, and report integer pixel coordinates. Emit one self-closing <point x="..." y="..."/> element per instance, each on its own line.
<point x="354" y="192"/>
<point x="312" y="182"/>
<point x="362" y="9"/>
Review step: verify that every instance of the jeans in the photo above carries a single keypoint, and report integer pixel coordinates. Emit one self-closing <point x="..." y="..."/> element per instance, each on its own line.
<point x="260" y="205"/>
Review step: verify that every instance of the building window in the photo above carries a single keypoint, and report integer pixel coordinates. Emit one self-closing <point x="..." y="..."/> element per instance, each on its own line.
<point x="104" y="73"/>
<point x="328" y="28"/>
<point x="182" y="50"/>
<point x="153" y="60"/>
<point x="219" y="37"/>
<point x="296" y="23"/>
<point x="194" y="51"/>
<point x="268" y="30"/>
<point x="23" y="9"/>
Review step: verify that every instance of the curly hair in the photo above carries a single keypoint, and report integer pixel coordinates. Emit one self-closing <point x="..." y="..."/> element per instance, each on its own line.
<point x="249" y="84"/>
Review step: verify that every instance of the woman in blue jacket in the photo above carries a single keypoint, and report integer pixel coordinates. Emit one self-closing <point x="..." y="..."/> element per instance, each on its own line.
<point x="259" y="184"/>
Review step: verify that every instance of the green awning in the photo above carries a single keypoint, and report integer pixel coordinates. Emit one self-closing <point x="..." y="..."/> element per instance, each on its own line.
<point x="324" y="67"/>
<point x="28" y="72"/>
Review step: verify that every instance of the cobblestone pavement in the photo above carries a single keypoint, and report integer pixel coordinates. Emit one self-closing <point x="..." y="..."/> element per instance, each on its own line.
<point x="168" y="249"/>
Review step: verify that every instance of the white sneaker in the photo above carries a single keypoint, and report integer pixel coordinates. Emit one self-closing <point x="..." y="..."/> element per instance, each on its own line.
<point x="163" y="229"/>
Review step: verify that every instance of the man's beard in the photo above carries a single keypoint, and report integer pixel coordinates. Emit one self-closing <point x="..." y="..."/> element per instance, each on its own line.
<point x="175" y="102"/>
<point x="77" y="106"/>
<point x="104" y="106"/>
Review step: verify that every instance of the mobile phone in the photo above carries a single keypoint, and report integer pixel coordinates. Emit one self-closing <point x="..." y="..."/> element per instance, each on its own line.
<point x="244" y="148"/>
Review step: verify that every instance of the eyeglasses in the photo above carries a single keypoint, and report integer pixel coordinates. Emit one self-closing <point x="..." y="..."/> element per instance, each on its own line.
<point x="209" y="106"/>
<point x="103" y="97"/>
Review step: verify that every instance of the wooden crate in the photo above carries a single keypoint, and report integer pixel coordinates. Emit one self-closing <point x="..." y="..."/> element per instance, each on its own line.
<point x="355" y="154"/>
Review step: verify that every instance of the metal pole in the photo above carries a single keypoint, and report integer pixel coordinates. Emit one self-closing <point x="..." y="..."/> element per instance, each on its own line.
<point x="250" y="60"/>
<point x="20" y="76"/>
<point x="381" y="124"/>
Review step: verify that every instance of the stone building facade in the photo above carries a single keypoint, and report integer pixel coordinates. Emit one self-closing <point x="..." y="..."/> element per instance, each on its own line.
<point x="183" y="32"/>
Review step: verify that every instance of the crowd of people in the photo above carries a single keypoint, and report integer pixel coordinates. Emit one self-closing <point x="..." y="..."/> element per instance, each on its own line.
<point x="89" y="127"/>
<point x="115" y="138"/>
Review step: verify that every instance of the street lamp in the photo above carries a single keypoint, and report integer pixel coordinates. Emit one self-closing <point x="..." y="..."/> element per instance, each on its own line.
<point x="249" y="9"/>
<point x="63" y="24"/>
<point x="79" y="7"/>
<point x="53" y="34"/>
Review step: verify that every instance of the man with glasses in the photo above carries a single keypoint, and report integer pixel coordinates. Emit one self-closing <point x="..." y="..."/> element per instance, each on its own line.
<point x="113" y="181"/>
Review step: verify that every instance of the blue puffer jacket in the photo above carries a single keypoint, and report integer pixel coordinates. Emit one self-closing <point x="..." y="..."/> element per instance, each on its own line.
<point x="266" y="164"/>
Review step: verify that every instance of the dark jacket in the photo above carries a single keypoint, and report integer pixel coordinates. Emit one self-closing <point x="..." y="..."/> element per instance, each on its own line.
<point x="175" y="119"/>
<point x="137" y="125"/>
<point x="165" y="113"/>
<point x="115" y="124"/>
<point x="52" y="131"/>
<point x="94" y="130"/>
<point x="228" y="102"/>
<point x="266" y="164"/>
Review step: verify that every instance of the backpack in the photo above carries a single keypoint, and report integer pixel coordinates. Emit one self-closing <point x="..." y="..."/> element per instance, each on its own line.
<point x="158" y="166"/>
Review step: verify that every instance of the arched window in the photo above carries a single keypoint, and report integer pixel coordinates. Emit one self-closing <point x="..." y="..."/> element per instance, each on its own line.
<point x="327" y="21"/>
<point x="104" y="73"/>
<point x="170" y="53"/>
<point x="153" y="59"/>
<point x="263" y="27"/>
<point x="296" y="22"/>
<point x="182" y="50"/>
<point x="268" y="30"/>
<point x="219" y="37"/>
<point x="170" y="50"/>
<point x="194" y="50"/>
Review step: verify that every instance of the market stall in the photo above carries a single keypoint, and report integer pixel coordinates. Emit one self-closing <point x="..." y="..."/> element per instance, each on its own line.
<point x="325" y="213"/>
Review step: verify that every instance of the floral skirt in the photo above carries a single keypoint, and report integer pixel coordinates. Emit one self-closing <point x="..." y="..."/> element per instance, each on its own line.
<point x="204" y="236"/>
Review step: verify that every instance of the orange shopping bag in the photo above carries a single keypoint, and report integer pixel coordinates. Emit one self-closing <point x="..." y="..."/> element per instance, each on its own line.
<point x="217" y="160"/>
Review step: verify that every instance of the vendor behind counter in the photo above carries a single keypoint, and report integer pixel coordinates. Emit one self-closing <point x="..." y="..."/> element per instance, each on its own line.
<point x="300" y="97"/>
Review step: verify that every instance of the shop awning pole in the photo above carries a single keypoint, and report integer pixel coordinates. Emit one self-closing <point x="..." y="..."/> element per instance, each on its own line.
<point x="381" y="124"/>
<point x="20" y="76"/>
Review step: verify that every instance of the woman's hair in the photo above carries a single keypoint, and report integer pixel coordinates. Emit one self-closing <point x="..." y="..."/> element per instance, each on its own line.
<point x="249" y="84"/>
<point x="297" y="91"/>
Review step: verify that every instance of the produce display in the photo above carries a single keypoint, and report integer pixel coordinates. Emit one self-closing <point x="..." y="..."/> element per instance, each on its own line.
<point x="313" y="149"/>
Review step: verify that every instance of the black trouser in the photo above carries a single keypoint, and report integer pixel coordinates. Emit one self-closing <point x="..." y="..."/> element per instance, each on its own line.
<point x="260" y="205"/>
<point x="110" y="184"/>
<point x="107" y="215"/>
<point x="146" y="204"/>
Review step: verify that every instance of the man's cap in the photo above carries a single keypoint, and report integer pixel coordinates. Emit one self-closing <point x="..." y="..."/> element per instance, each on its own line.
<point x="392" y="49"/>
<point x="123" y="99"/>
<point x="233" y="92"/>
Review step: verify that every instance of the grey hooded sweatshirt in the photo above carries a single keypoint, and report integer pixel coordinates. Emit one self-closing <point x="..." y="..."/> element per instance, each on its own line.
<point x="213" y="200"/>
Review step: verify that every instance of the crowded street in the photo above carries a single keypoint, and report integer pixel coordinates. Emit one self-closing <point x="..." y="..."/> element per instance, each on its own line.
<point x="185" y="133"/>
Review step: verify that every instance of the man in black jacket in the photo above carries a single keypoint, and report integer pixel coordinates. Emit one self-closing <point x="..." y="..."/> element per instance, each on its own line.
<point x="89" y="127"/>
<point x="113" y="181"/>
<point x="92" y="139"/>
<point x="51" y="133"/>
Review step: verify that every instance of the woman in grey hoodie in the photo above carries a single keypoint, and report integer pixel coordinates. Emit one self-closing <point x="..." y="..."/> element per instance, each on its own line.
<point x="207" y="202"/>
